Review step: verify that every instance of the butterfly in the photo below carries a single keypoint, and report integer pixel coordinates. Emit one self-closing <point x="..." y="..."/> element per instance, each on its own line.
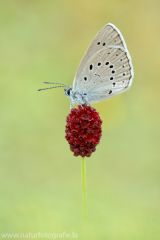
<point x="105" y="70"/>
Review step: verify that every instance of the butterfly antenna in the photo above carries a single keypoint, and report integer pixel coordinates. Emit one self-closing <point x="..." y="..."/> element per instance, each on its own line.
<point x="62" y="85"/>
<point x="49" y="88"/>
<point x="56" y="83"/>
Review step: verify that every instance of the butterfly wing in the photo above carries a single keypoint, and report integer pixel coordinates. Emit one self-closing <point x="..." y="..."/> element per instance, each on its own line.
<point x="106" y="69"/>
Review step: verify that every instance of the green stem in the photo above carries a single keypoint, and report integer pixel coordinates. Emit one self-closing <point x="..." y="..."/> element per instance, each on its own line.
<point x="84" y="187"/>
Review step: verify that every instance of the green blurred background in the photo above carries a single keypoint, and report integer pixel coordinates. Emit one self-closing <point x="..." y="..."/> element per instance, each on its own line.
<point x="40" y="179"/>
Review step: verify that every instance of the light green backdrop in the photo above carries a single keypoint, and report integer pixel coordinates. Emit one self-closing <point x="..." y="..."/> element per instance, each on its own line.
<point x="40" y="179"/>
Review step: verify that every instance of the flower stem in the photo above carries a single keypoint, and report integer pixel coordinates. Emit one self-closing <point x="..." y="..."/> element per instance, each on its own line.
<point x="84" y="187"/>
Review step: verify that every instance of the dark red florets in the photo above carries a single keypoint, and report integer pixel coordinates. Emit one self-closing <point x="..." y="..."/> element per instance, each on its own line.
<point x="83" y="130"/>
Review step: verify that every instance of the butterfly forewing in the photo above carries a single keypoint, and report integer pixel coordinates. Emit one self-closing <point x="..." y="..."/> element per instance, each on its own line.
<point x="106" y="69"/>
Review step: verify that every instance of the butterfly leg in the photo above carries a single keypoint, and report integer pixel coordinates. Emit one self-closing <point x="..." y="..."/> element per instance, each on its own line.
<point x="71" y="105"/>
<point x="89" y="104"/>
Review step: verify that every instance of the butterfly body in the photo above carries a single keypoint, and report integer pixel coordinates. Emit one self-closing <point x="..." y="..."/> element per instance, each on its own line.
<point x="76" y="97"/>
<point x="105" y="70"/>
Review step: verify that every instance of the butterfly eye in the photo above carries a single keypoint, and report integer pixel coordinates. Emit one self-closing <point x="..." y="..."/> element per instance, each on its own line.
<point x="68" y="92"/>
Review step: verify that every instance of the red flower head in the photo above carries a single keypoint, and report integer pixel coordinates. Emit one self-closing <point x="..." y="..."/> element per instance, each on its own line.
<point x="83" y="130"/>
